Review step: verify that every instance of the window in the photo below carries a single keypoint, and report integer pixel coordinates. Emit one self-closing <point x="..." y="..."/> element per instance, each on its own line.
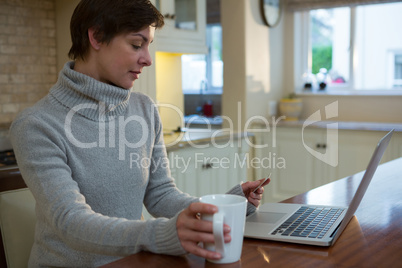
<point x="352" y="48"/>
<point x="203" y="74"/>
<point x="330" y="40"/>
<point x="398" y="71"/>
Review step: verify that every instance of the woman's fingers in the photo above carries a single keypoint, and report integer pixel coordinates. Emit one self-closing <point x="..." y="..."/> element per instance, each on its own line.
<point x="192" y="230"/>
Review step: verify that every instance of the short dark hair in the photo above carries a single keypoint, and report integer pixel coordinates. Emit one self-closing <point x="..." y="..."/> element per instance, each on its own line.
<point x="109" y="18"/>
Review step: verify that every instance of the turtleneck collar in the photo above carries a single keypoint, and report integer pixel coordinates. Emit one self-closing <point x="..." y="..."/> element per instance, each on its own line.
<point x="77" y="91"/>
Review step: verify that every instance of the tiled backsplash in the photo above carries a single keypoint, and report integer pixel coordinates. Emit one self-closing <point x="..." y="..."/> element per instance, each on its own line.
<point x="27" y="54"/>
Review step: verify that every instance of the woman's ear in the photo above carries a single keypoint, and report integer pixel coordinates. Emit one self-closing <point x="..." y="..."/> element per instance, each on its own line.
<point x="92" y="38"/>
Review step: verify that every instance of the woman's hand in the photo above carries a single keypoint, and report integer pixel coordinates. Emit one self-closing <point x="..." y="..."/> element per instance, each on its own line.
<point x="248" y="188"/>
<point x="191" y="230"/>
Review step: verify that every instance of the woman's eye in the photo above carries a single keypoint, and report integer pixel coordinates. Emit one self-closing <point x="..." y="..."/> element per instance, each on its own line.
<point x="136" y="46"/>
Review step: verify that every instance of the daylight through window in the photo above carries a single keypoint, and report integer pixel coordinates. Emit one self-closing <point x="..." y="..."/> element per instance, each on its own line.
<point x="203" y="74"/>
<point x="355" y="48"/>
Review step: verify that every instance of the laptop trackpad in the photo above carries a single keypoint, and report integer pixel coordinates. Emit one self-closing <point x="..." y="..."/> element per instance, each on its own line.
<point x="266" y="217"/>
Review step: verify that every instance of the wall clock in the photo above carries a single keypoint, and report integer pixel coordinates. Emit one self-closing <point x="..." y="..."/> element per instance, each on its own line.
<point x="271" y="11"/>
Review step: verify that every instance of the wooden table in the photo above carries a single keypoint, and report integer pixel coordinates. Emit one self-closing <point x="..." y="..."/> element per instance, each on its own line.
<point x="373" y="238"/>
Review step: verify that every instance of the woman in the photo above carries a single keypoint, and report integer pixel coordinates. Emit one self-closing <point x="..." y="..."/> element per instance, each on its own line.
<point x="74" y="149"/>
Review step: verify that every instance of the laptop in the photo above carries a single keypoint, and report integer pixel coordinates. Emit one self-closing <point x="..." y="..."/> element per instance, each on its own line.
<point x="310" y="224"/>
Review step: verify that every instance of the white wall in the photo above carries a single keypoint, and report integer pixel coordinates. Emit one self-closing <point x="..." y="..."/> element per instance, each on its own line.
<point x="253" y="62"/>
<point x="377" y="68"/>
<point x="234" y="56"/>
<point x="357" y="108"/>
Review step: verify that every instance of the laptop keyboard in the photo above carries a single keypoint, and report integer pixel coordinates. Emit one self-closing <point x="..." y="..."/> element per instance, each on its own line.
<point x="312" y="222"/>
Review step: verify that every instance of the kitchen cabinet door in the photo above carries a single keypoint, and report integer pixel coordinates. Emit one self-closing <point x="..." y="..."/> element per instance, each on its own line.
<point x="184" y="170"/>
<point x="316" y="156"/>
<point x="216" y="170"/>
<point x="185" y="26"/>
<point x="295" y="175"/>
<point x="288" y="157"/>
<point x="225" y="167"/>
<point x="210" y="170"/>
<point x="356" y="148"/>
<point x="323" y="145"/>
<point x="395" y="150"/>
<point x="174" y="39"/>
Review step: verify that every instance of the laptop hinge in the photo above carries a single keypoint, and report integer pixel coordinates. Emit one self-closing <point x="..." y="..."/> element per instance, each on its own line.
<point x="336" y="229"/>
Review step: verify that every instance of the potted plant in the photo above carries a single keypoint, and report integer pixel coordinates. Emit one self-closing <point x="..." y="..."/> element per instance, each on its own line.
<point x="291" y="107"/>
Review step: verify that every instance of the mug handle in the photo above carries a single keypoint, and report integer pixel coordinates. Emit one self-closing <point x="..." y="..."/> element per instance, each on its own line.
<point x="218" y="233"/>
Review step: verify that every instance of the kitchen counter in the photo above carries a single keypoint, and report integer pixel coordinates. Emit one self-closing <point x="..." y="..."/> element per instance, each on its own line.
<point x="4" y="126"/>
<point x="344" y="125"/>
<point x="10" y="176"/>
<point x="195" y="136"/>
<point x="177" y="140"/>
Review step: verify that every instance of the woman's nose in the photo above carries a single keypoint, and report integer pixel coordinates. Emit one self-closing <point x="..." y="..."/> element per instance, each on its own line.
<point x="146" y="59"/>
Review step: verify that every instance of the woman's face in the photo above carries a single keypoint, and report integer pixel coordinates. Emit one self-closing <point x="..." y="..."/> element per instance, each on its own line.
<point x="120" y="62"/>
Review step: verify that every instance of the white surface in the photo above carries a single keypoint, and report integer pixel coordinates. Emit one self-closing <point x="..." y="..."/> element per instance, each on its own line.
<point x="17" y="222"/>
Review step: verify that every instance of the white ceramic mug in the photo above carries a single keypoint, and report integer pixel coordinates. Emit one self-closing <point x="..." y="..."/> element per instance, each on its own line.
<point x="231" y="211"/>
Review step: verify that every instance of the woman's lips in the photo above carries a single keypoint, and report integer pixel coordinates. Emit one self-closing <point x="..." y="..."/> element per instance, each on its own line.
<point x="136" y="75"/>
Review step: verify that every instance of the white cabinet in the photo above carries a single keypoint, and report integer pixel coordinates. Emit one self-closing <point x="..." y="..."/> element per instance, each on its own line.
<point x="214" y="169"/>
<point x="395" y="145"/>
<point x="356" y="149"/>
<point x="294" y="169"/>
<point x="211" y="170"/>
<point x="175" y="39"/>
<point x="185" y="26"/>
<point x="302" y="159"/>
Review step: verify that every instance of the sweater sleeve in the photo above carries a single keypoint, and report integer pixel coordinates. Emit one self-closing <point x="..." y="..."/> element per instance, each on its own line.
<point x="237" y="190"/>
<point x="163" y="198"/>
<point x="62" y="211"/>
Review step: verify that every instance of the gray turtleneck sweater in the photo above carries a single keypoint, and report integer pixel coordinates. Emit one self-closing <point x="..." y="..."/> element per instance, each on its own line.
<point x="92" y="154"/>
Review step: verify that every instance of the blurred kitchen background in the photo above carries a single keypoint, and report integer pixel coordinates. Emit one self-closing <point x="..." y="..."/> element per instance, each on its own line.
<point x="216" y="61"/>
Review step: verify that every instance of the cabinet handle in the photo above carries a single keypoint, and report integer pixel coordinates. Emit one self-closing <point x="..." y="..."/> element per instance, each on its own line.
<point x="319" y="145"/>
<point x="207" y="165"/>
<point x="168" y="16"/>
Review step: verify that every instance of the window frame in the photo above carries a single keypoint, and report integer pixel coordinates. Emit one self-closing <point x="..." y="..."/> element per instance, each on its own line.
<point x="209" y="89"/>
<point x="393" y="55"/>
<point x="303" y="60"/>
